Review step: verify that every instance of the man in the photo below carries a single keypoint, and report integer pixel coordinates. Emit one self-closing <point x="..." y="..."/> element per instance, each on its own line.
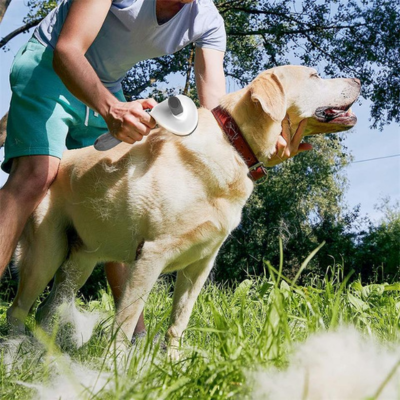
<point x="66" y="85"/>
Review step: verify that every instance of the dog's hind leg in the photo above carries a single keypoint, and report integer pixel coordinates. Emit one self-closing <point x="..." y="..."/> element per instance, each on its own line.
<point x="68" y="280"/>
<point x="43" y="248"/>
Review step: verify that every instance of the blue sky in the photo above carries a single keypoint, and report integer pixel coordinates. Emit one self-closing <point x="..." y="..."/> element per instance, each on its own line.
<point x="369" y="181"/>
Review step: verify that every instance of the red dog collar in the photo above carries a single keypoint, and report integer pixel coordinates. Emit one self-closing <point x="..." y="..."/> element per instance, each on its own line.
<point x="235" y="136"/>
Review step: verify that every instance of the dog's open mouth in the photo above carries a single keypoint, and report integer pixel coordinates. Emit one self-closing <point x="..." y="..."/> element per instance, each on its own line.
<point x="336" y="115"/>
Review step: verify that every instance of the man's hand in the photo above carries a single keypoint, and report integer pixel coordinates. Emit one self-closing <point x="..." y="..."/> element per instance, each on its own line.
<point x="287" y="147"/>
<point x="129" y="122"/>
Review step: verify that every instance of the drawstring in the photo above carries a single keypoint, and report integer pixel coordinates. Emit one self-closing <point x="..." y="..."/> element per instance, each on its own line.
<point x="87" y="116"/>
<point x="96" y="114"/>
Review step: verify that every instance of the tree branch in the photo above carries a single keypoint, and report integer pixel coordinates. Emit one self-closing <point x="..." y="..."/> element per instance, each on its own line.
<point x="292" y="32"/>
<point x="331" y="56"/>
<point x="158" y="76"/>
<point x="189" y="70"/>
<point x="252" y="11"/>
<point x="23" y="28"/>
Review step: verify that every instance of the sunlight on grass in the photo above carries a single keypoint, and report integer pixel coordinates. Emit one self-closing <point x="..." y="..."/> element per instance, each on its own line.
<point x="235" y="333"/>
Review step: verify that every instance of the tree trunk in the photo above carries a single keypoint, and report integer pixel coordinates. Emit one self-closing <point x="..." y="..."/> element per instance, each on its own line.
<point x="3" y="129"/>
<point x="3" y="8"/>
<point x="189" y="71"/>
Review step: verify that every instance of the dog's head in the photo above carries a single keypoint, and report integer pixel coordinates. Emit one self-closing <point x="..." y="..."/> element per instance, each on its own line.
<point x="297" y="93"/>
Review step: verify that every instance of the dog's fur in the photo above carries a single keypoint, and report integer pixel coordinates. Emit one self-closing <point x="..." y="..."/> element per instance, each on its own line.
<point x="178" y="197"/>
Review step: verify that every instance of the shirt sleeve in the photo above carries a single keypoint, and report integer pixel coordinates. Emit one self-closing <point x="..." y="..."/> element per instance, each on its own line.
<point x="214" y="36"/>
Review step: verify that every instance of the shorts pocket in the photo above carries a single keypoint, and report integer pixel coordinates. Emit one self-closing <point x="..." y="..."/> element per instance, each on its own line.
<point x="24" y="59"/>
<point x="16" y="64"/>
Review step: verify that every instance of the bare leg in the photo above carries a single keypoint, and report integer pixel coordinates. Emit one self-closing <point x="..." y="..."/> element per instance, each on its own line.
<point x="26" y="186"/>
<point x="117" y="275"/>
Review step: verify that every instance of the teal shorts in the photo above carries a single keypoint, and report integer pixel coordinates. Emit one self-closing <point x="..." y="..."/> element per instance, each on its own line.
<point x="44" y="116"/>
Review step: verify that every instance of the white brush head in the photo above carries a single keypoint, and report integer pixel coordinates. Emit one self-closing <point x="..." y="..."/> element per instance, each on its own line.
<point x="181" y="121"/>
<point x="178" y="114"/>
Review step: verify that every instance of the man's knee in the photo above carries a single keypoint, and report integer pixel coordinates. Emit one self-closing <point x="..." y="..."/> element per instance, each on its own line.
<point x="33" y="175"/>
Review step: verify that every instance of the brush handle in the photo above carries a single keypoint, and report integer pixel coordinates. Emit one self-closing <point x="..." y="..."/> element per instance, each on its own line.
<point x="106" y="142"/>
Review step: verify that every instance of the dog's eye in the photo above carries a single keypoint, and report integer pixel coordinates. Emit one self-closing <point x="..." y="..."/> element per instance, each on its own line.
<point x="314" y="75"/>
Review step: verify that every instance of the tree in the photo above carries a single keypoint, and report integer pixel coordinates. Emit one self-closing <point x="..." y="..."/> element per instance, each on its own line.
<point x="358" y="38"/>
<point x="378" y="253"/>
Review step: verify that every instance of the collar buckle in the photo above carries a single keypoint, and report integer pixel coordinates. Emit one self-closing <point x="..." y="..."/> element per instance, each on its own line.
<point x="255" y="166"/>
<point x="258" y="173"/>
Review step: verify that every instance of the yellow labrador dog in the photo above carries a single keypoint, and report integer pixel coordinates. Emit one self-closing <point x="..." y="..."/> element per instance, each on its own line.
<point x="167" y="203"/>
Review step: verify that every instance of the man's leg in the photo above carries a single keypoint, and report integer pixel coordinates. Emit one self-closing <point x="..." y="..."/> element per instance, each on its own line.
<point x="29" y="180"/>
<point x="117" y="275"/>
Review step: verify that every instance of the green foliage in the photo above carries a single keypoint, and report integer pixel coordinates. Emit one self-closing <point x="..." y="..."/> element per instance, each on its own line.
<point x="379" y="248"/>
<point x="302" y="223"/>
<point x="150" y="77"/>
<point x="38" y="9"/>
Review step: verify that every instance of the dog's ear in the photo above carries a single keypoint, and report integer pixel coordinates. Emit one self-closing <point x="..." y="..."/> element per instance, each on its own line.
<point x="267" y="90"/>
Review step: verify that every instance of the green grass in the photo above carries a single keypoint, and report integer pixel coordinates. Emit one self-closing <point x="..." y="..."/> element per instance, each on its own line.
<point x="232" y="331"/>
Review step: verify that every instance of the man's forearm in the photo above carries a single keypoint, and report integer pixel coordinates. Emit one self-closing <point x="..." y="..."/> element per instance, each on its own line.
<point x="210" y="87"/>
<point x="210" y="77"/>
<point x="82" y="81"/>
<point x="210" y="98"/>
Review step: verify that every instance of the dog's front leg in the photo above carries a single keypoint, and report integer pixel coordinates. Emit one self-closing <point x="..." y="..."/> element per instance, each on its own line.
<point x="143" y="275"/>
<point x="188" y="284"/>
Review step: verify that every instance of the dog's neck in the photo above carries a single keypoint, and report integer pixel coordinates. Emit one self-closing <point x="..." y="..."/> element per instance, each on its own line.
<point x="236" y="138"/>
<point x="260" y="132"/>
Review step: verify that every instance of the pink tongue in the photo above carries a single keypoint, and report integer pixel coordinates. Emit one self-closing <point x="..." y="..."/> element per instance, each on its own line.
<point x="333" y="111"/>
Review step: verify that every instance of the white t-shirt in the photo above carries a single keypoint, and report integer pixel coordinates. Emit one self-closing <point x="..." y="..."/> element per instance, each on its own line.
<point x="131" y="34"/>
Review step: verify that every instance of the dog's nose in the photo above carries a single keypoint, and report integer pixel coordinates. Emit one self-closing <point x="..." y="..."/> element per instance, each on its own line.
<point x="357" y="81"/>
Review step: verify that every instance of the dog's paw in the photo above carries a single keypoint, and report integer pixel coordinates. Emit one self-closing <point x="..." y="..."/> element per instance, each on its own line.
<point x="15" y="326"/>
<point x="138" y="337"/>
<point x="173" y="353"/>
<point x="156" y="339"/>
<point x="118" y="355"/>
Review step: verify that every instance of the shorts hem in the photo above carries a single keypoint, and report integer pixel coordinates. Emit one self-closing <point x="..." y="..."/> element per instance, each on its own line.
<point x="36" y="151"/>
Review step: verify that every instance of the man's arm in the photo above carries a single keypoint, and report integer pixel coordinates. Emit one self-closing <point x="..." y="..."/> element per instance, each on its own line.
<point x="127" y="121"/>
<point x="210" y="76"/>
